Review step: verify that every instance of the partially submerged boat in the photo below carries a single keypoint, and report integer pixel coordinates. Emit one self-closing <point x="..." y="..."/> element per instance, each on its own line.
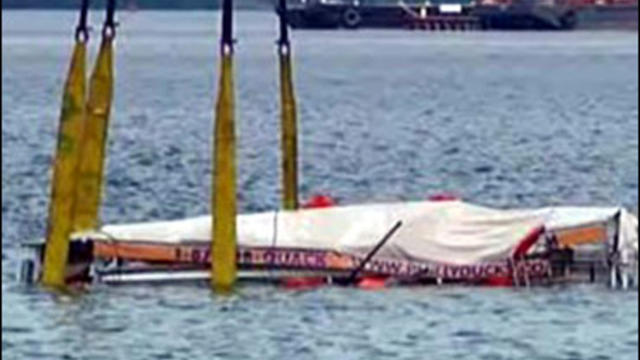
<point x="439" y="242"/>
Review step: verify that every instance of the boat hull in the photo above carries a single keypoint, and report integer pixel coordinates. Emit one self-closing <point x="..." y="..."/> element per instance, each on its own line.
<point x="143" y="262"/>
<point x="436" y="242"/>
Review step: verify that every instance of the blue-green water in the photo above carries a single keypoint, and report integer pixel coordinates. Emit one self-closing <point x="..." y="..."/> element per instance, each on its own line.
<point x="503" y="119"/>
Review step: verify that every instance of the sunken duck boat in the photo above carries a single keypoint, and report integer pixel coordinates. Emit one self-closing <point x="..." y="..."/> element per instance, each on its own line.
<point x="439" y="242"/>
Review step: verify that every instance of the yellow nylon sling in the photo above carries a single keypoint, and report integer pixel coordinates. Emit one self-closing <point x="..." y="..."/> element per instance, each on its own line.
<point x="223" y="194"/>
<point x="289" y="127"/>
<point x="289" y="134"/>
<point x="59" y="226"/>
<point x="91" y="164"/>
<point x="223" y="265"/>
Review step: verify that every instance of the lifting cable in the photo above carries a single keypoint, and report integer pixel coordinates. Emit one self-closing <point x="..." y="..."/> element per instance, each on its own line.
<point x="63" y="184"/>
<point x="223" y="194"/>
<point x="95" y="134"/>
<point x="289" y="130"/>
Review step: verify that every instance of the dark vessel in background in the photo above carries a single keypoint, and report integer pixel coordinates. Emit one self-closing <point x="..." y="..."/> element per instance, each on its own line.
<point x="465" y="14"/>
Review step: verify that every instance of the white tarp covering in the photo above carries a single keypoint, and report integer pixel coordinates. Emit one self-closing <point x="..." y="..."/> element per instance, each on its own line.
<point x="450" y="232"/>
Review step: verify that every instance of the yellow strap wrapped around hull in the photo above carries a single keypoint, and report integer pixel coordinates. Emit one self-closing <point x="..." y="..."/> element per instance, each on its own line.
<point x="223" y="243"/>
<point x="63" y="186"/>
<point x="91" y="163"/>
<point x="289" y="141"/>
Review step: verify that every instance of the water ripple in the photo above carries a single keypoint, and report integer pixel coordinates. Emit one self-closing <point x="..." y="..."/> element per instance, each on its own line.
<point x="503" y="119"/>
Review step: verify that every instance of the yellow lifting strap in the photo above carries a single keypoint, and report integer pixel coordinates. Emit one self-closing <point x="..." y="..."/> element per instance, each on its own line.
<point x="91" y="164"/>
<point x="289" y="130"/>
<point x="60" y="222"/>
<point x="223" y="200"/>
<point x="289" y="127"/>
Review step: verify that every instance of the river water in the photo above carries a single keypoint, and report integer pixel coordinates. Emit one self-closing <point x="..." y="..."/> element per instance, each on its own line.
<point x="502" y="119"/>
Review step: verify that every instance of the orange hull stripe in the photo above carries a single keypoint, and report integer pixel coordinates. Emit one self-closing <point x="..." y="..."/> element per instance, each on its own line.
<point x="575" y="237"/>
<point x="141" y="252"/>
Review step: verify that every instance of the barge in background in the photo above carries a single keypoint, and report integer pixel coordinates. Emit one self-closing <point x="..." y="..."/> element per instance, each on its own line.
<point x="461" y="15"/>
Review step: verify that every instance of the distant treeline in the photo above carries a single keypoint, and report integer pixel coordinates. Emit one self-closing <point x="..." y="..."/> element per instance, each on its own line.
<point x="136" y="4"/>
